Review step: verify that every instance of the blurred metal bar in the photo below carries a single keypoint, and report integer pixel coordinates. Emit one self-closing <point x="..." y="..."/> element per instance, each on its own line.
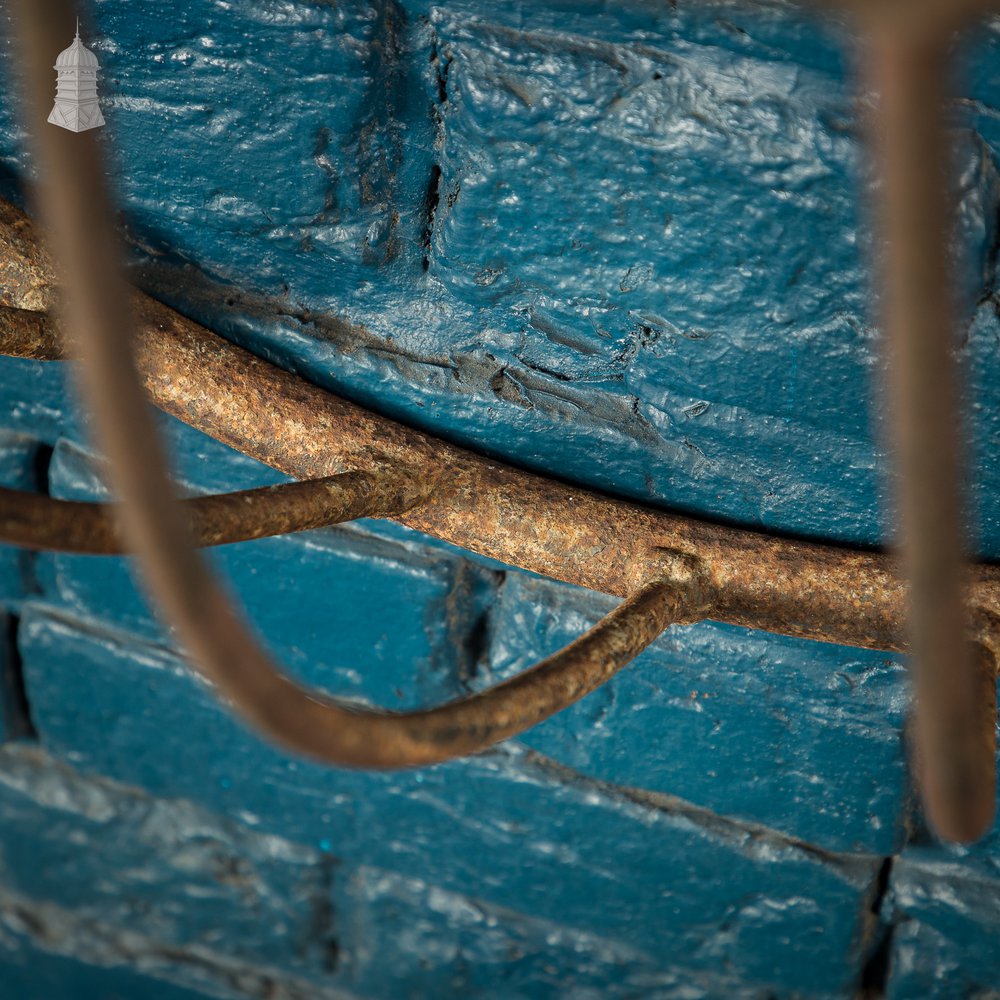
<point x="98" y="326"/>
<point x="908" y="50"/>
<point x="42" y="522"/>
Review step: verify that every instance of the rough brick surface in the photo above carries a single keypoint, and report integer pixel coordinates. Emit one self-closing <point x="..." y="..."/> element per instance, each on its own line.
<point x="192" y="899"/>
<point x="943" y="921"/>
<point x="511" y="829"/>
<point x="22" y="467"/>
<point x="362" y="616"/>
<point x="23" y="462"/>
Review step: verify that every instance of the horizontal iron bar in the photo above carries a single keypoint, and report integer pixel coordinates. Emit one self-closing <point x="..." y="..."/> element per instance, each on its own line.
<point x="824" y="592"/>
<point x="42" y="522"/>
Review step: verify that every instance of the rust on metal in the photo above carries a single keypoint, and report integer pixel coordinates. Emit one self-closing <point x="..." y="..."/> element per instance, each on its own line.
<point x="829" y="593"/>
<point x="98" y="327"/>
<point x="25" y="265"/>
<point x="322" y="728"/>
<point x="25" y="333"/>
<point x="908" y="69"/>
<point x="43" y="522"/>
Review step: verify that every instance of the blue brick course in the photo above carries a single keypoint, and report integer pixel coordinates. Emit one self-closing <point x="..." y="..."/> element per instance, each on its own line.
<point x="618" y="211"/>
<point x="943" y="920"/>
<point x="514" y="831"/>
<point x="22" y="466"/>
<point x="368" y="617"/>
<point x="944" y="932"/>
<point x="205" y="903"/>
<point x="31" y="973"/>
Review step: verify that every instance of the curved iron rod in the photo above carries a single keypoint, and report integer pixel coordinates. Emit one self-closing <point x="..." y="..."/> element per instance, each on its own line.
<point x="41" y="522"/>
<point x="347" y="735"/>
<point x="869" y="610"/>
<point x="314" y="724"/>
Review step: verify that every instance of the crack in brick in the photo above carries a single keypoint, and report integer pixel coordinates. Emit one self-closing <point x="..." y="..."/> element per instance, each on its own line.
<point x="877" y="936"/>
<point x="18" y="721"/>
<point x="433" y="197"/>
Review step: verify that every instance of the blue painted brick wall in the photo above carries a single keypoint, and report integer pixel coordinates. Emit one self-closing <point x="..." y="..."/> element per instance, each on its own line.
<point x="515" y="831"/>
<point x="747" y="724"/>
<point x="621" y="244"/>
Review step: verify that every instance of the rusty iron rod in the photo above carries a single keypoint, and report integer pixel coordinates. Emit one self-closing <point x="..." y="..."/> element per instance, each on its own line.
<point x="348" y="735"/>
<point x="28" y="334"/>
<point x="824" y="592"/>
<point x="42" y="522"/>
<point x="99" y="325"/>
<point x="319" y="726"/>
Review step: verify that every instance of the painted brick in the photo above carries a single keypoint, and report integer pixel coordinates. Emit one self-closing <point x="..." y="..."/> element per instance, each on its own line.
<point x="945" y="933"/>
<point x="780" y="767"/>
<point x="741" y="722"/>
<point x="30" y="973"/>
<point x="653" y="182"/>
<point x="467" y="948"/>
<point x="256" y="896"/>
<point x="512" y="830"/>
<point x="617" y="243"/>
<point x="10" y="716"/>
<point x="604" y="331"/>
<point x="255" y="85"/>
<point x="943" y="921"/>
<point x="203" y="903"/>
<point x="104" y="874"/>
<point x="35" y="398"/>
<point x="678" y="184"/>
<point x="22" y="466"/>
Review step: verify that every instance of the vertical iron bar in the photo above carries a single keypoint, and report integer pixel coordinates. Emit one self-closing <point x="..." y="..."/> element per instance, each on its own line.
<point x="955" y="763"/>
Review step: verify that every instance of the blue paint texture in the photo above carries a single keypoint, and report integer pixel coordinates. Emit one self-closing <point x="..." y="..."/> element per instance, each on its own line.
<point x="510" y="830"/>
<point x="732" y="700"/>
<point x="625" y="245"/>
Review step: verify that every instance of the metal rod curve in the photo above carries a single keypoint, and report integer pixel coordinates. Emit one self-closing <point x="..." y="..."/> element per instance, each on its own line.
<point x="78" y="213"/>
<point x="348" y="735"/>
<point x="36" y="521"/>
<point x="307" y="721"/>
